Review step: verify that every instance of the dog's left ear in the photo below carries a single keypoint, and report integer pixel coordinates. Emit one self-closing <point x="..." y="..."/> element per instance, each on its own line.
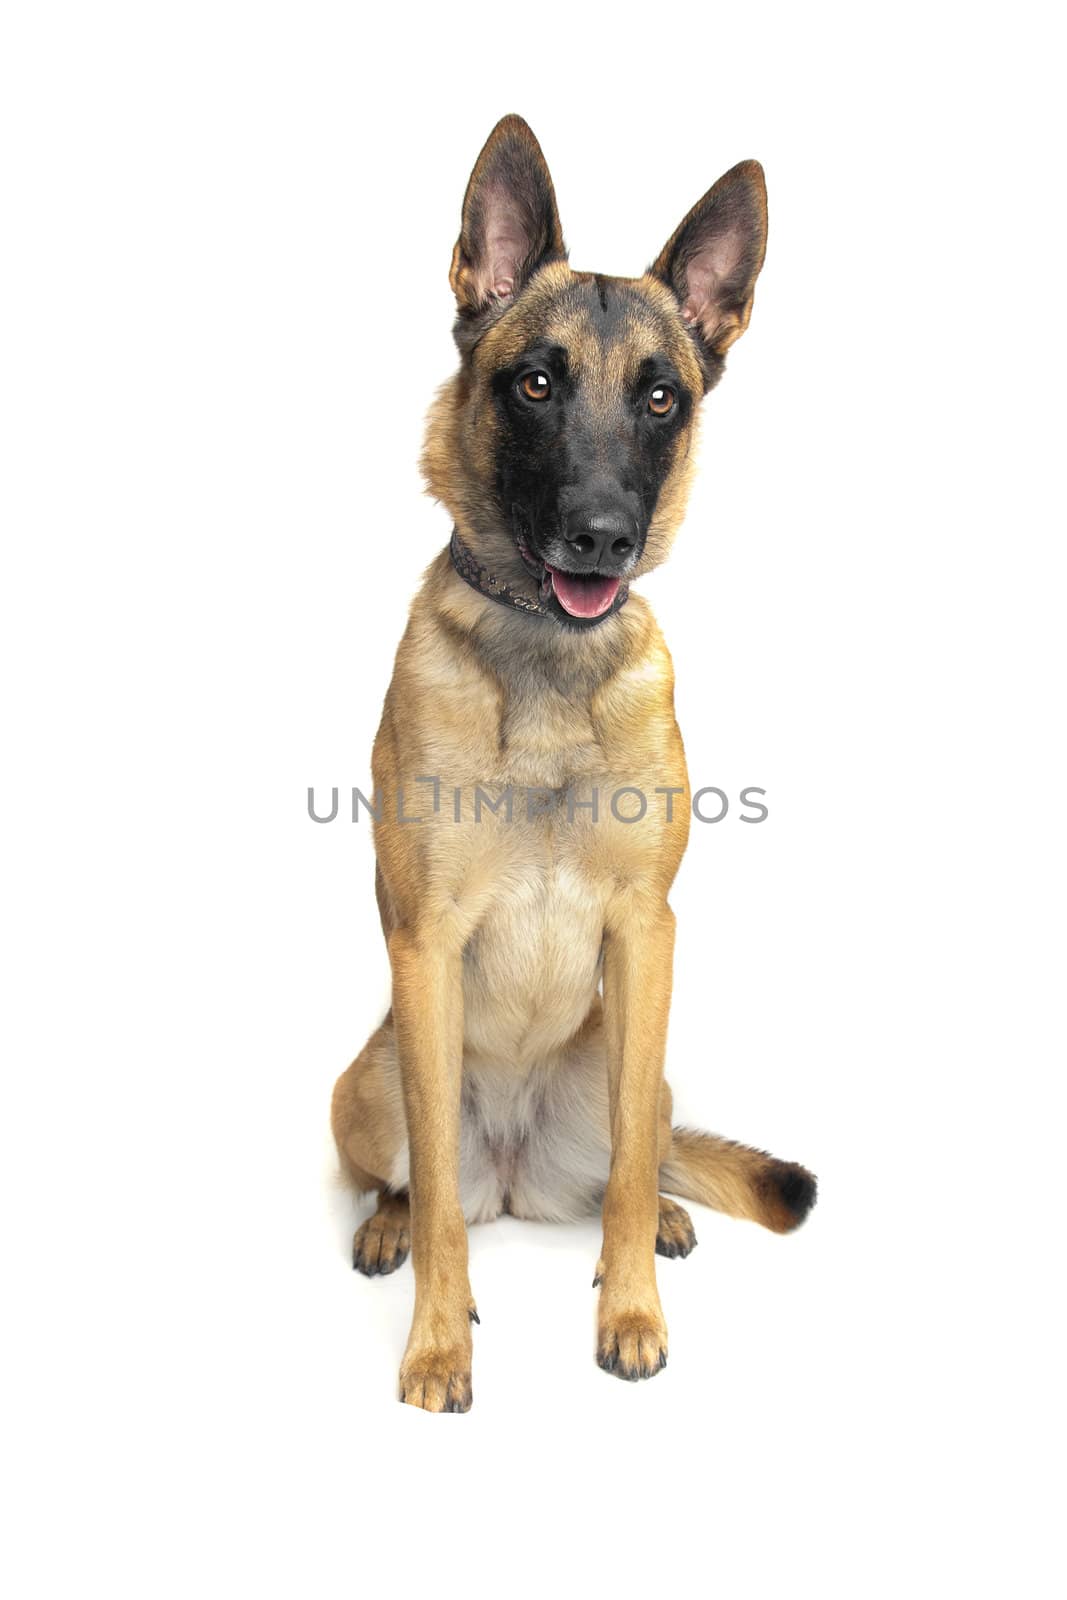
<point x="713" y="259"/>
<point x="510" y="221"/>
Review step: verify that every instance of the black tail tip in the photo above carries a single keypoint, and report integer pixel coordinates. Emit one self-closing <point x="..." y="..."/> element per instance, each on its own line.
<point x="797" y="1191"/>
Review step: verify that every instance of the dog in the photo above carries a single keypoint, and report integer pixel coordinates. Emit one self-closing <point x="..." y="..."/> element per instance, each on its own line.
<point x="520" y="1067"/>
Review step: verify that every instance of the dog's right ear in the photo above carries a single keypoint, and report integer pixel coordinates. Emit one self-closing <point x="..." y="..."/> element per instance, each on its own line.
<point x="510" y="221"/>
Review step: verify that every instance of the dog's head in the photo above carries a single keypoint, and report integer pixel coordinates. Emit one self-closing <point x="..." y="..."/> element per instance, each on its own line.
<point x="563" y="446"/>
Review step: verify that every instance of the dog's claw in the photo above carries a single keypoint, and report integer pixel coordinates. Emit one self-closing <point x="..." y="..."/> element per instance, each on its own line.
<point x="632" y="1345"/>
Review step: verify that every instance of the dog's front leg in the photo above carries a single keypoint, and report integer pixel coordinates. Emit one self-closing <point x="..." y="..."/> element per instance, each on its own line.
<point x="638" y="954"/>
<point x="428" y="1016"/>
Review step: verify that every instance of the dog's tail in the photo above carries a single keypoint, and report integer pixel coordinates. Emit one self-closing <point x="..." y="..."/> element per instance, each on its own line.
<point x="738" y="1180"/>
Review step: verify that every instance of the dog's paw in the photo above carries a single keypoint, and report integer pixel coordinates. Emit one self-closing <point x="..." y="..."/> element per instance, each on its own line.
<point x="437" y="1380"/>
<point x="632" y="1344"/>
<point x="675" y="1236"/>
<point x="381" y="1244"/>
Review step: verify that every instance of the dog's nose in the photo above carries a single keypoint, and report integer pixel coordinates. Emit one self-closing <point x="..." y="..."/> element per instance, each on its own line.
<point x="600" y="538"/>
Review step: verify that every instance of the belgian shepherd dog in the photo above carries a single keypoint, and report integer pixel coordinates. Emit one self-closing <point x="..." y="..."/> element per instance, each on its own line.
<point x="530" y="791"/>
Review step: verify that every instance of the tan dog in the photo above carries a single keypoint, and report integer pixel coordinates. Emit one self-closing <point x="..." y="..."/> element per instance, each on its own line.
<point x="523" y="897"/>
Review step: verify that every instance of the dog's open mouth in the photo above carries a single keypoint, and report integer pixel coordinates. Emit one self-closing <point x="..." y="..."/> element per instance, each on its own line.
<point x="583" y="594"/>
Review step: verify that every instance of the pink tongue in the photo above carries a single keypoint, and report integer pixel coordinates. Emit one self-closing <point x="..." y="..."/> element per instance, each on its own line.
<point x="584" y="597"/>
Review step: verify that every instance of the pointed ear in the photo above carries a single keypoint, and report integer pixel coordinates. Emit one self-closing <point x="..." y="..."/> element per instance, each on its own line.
<point x="510" y="221"/>
<point x="713" y="259"/>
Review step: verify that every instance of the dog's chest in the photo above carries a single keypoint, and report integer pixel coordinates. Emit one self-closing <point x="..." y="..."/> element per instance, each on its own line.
<point x="532" y="964"/>
<point x="548" y="741"/>
<point x="530" y="874"/>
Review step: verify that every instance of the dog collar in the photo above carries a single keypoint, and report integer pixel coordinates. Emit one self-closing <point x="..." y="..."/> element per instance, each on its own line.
<point x="471" y="571"/>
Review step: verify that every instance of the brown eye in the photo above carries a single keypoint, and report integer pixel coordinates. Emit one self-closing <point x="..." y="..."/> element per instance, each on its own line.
<point x="661" y="400"/>
<point x="535" y="386"/>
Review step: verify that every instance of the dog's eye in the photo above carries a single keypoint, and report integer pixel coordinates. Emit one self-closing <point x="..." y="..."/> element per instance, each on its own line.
<point x="661" y="400"/>
<point x="535" y="386"/>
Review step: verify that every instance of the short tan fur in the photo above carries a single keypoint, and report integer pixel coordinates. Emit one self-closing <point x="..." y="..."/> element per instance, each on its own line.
<point x="520" y="1068"/>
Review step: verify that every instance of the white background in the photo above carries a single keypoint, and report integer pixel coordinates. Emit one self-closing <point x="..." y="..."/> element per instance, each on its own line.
<point x="225" y="307"/>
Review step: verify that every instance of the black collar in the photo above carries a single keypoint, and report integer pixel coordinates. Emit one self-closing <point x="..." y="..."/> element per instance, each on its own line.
<point x="471" y="571"/>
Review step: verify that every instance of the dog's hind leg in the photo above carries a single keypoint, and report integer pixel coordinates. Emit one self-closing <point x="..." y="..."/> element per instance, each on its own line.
<point x="367" y="1117"/>
<point x="737" y="1180"/>
<point x="675" y="1235"/>
<point x="383" y="1242"/>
